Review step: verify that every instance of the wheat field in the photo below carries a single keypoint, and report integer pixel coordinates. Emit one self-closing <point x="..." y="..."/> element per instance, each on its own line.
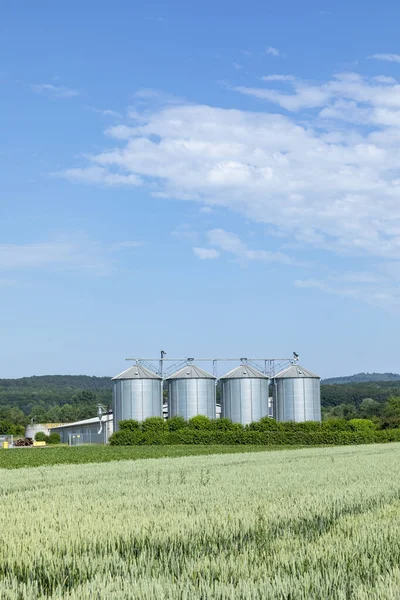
<point x="318" y="523"/>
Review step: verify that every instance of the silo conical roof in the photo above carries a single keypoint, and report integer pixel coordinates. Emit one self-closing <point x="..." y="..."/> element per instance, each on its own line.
<point x="137" y="372"/>
<point x="296" y="372"/>
<point x="191" y="372"/>
<point x="244" y="372"/>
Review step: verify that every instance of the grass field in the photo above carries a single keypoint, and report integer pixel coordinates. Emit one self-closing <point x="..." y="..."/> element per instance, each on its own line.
<point x="19" y="458"/>
<point x="316" y="523"/>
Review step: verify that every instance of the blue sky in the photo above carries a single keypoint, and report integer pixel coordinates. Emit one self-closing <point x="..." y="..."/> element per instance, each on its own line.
<point x="213" y="179"/>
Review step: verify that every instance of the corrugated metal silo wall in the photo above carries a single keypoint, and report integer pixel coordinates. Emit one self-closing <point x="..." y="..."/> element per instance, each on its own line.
<point x="297" y="399"/>
<point x="190" y="397"/>
<point x="244" y="400"/>
<point x="137" y="399"/>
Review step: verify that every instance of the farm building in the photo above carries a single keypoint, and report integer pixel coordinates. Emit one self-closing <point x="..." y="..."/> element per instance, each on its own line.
<point x="86" y="432"/>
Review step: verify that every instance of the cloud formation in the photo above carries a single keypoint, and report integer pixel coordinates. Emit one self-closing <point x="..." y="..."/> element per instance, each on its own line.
<point x="272" y="51"/>
<point x="318" y="163"/>
<point x="231" y="243"/>
<point x="387" y="57"/>
<point x="206" y="253"/>
<point x="56" y="91"/>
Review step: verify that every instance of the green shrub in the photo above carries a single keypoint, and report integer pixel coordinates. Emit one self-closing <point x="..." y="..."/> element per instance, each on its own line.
<point x="53" y="439"/>
<point x="154" y="424"/>
<point x="129" y="425"/>
<point x="126" y="437"/>
<point x="40" y="436"/>
<point x="362" y="425"/>
<point x="264" y="424"/>
<point x="224" y="424"/>
<point x="152" y="438"/>
<point x="307" y="426"/>
<point x="336" y="425"/>
<point x="176" y="423"/>
<point x="200" y="422"/>
<point x="201" y="430"/>
<point x="388" y="422"/>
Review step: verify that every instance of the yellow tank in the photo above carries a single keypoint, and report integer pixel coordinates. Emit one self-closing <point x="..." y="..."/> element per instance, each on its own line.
<point x="5" y="445"/>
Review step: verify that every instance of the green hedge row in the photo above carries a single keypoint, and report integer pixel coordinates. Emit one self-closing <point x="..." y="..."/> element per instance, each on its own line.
<point x="201" y="430"/>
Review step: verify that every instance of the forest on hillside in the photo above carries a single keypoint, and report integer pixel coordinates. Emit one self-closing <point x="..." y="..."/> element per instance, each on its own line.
<point x="68" y="398"/>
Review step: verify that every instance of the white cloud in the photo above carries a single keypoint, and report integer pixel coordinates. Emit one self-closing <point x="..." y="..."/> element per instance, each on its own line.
<point x="71" y="252"/>
<point x="57" y="91"/>
<point x="272" y="51"/>
<point x="206" y="253"/>
<point x="305" y="96"/>
<point x="387" y="57"/>
<point x="278" y="78"/>
<point x="236" y="66"/>
<point x="229" y="242"/>
<point x="120" y="132"/>
<point x="107" y="112"/>
<point x="384" y="79"/>
<point x="100" y="176"/>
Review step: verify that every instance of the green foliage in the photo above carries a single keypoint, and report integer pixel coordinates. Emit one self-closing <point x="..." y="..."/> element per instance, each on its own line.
<point x="54" y="438"/>
<point x="203" y="431"/>
<point x="51" y="399"/>
<point x="154" y="425"/>
<point x="224" y="424"/>
<point x="8" y="428"/>
<point x="58" y="455"/>
<point x="126" y="437"/>
<point x="392" y="408"/>
<point x="40" y="436"/>
<point x="333" y="395"/>
<point x="369" y="408"/>
<point x="200" y="422"/>
<point x="335" y="425"/>
<point x="129" y="425"/>
<point x="176" y="423"/>
<point x="264" y="424"/>
<point x="362" y="425"/>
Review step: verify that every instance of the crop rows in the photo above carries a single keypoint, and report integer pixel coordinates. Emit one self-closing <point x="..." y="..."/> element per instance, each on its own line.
<point x="291" y="525"/>
<point x="63" y="455"/>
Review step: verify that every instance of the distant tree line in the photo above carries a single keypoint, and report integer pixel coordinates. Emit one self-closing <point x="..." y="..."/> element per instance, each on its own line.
<point x="50" y="399"/>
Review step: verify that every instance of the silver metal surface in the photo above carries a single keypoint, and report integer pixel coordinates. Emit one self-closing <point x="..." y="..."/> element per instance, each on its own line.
<point x="191" y="372"/>
<point x="296" y="395"/>
<point x="191" y="392"/>
<point x="137" y="394"/>
<point x="137" y="372"/>
<point x="244" y="372"/>
<point x="296" y="371"/>
<point x="136" y="399"/>
<point x="244" y="395"/>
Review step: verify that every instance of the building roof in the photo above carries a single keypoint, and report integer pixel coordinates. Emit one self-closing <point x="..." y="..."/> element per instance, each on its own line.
<point x="296" y="372"/>
<point x="244" y="372"/>
<point x="191" y="372"/>
<point x="104" y="418"/>
<point x="137" y="372"/>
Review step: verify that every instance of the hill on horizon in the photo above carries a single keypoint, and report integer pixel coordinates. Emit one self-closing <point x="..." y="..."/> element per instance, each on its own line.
<point x="361" y="378"/>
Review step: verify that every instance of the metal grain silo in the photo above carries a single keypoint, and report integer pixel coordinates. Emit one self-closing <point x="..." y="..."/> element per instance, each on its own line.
<point x="244" y="395"/>
<point x="137" y="394"/>
<point x="191" y="392"/>
<point x="297" y="395"/>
